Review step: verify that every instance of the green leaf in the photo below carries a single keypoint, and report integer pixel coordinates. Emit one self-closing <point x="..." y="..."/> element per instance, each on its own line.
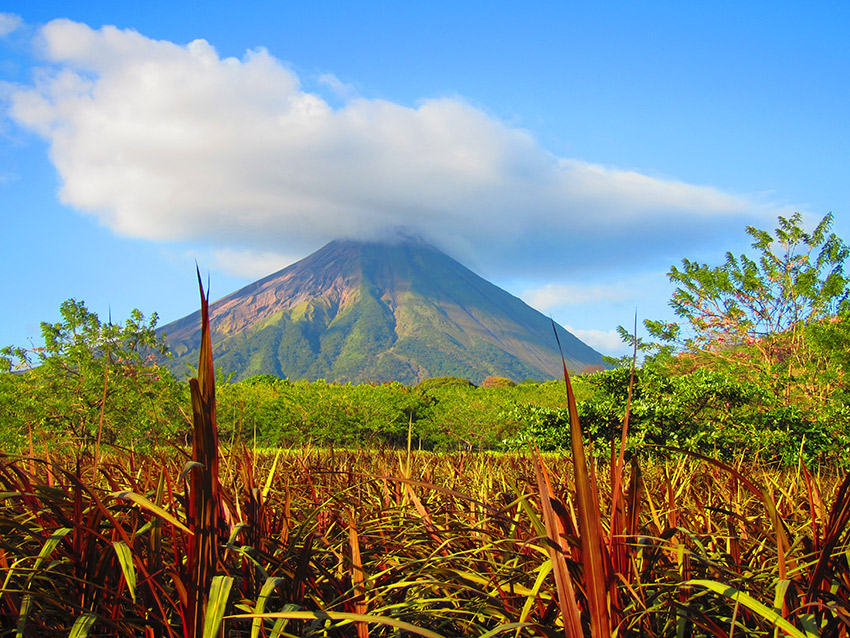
<point x="144" y="503"/>
<point x="265" y="592"/>
<point x="49" y="545"/>
<point x="336" y="615"/>
<point x="769" y="615"/>
<point x="125" y="559"/>
<point x="83" y="625"/>
<point x="216" y="605"/>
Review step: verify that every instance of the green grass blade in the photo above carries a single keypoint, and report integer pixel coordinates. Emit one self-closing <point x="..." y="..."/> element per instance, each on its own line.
<point x="268" y="486"/>
<point x="281" y="623"/>
<point x="23" y="615"/>
<point x="125" y="559"/>
<point x="266" y="590"/>
<point x="144" y="503"/>
<point x="769" y="615"/>
<point x="542" y="573"/>
<point x="82" y="626"/>
<point x="216" y="605"/>
<point x="337" y="615"/>
<point x="49" y="545"/>
<point x="502" y="629"/>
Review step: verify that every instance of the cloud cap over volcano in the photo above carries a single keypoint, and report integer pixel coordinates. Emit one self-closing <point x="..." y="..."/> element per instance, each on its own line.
<point x="170" y="142"/>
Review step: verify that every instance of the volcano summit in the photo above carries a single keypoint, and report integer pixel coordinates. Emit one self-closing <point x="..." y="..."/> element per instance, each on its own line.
<point x="374" y="312"/>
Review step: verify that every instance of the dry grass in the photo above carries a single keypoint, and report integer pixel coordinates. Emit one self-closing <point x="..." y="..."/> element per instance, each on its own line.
<point x="457" y="546"/>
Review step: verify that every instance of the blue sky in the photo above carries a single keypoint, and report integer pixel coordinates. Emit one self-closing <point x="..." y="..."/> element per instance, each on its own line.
<point x="570" y="152"/>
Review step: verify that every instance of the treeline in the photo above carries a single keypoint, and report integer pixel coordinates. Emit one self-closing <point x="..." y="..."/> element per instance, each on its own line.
<point x="95" y="384"/>
<point x="81" y="398"/>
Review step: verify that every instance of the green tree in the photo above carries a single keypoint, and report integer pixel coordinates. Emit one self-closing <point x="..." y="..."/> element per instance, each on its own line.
<point x="92" y="381"/>
<point x="758" y="314"/>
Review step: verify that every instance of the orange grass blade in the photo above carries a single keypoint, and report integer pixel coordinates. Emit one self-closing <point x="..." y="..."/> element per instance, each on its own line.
<point x="570" y="613"/>
<point x="782" y="544"/>
<point x="203" y="500"/>
<point x="357" y="575"/>
<point x="590" y="523"/>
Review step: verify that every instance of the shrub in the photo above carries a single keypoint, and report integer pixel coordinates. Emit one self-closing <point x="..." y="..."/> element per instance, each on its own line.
<point x="444" y="382"/>
<point x="497" y="382"/>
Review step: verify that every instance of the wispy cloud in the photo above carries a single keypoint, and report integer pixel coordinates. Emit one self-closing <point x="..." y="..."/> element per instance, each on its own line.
<point x="341" y="89"/>
<point x="606" y="342"/>
<point x="553" y="296"/>
<point x="9" y="22"/>
<point x="249" y="263"/>
<point x="170" y="142"/>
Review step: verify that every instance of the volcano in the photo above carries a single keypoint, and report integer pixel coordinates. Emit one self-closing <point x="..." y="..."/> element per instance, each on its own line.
<point x="376" y="312"/>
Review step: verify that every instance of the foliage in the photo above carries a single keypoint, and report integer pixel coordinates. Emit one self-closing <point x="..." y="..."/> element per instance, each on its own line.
<point x="760" y="364"/>
<point x="747" y="300"/>
<point x="714" y="412"/>
<point x="343" y="415"/>
<point x="705" y="411"/>
<point x="777" y="317"/>
<point x="91" y="381"/>
<point x="545" y="428"/>
<point x="443" y="382"/>
<point x="448" y="414"/>
<point x="497" y="382"/>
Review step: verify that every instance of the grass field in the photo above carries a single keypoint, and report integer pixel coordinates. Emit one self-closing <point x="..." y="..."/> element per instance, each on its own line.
<point x="311" y="541"/>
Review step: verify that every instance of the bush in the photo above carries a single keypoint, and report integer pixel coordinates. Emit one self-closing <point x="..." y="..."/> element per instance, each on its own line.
<point x="497" y="382"/>
<point x="91" y="383"/>
<point x="704" y="411"/>
<point x="444" y="382"/>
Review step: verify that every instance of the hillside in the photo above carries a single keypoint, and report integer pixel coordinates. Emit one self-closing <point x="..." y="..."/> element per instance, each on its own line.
<point x="360" y="311"/>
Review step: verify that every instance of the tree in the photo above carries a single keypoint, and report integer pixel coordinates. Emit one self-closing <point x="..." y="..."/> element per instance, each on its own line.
<point x="760" y="312"/>
<point x="92" y="380"/>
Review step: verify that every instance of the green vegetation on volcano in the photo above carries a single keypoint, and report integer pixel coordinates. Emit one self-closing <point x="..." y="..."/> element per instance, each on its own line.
<point x="377" y="312"/>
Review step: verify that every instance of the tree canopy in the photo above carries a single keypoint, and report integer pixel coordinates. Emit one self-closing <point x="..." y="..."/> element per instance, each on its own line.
<point x="90" y="380"/>
<point x="780" y="315"/>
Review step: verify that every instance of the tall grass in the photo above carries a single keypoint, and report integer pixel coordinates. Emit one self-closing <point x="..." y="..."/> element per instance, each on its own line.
<point x="459" y="546"/>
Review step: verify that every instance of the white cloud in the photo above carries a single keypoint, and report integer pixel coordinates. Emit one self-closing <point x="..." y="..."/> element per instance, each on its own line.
<point x="9" y="22"/>
<point x="170" y="142"/>
<point x="606" y="342"/>
<point x="341" y="89"/>
<point x="250" y="264"/>
<point x="553" y="296"/>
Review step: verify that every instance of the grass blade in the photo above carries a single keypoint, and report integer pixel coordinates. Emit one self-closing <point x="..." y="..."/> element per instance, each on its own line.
<point x="82" y="626"/>
<point x="338" y="615"/>
<point x="769" y="615"/>
<point x="125" y="559"/>
<point x="216" y="605"/>
<point x="590" y="520"/>
<point x="144" y="503"/>
<point x="266" y="590"/>
<point x="203" y="499"/>
<point x="570" y="613"/>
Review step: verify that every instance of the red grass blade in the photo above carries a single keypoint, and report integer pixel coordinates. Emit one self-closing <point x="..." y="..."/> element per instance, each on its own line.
<point x="570" y="613"/>
<point x="590" y="523"/>
<point x="838" y="518"/>
<point x="203" y="500"/>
